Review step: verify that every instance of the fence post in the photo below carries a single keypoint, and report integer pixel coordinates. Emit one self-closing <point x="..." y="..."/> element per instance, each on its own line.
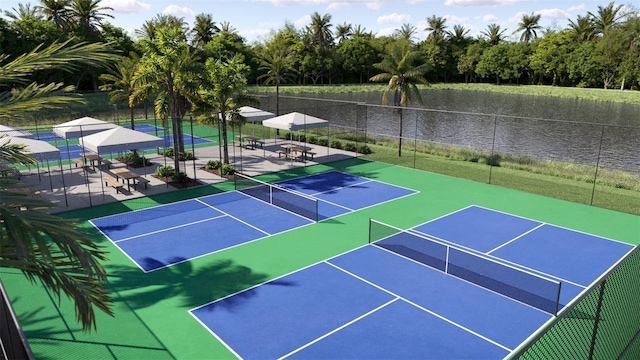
<point x="595" y="176"/>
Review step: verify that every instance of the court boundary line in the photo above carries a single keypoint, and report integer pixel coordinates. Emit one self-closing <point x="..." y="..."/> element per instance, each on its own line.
<point x="224" y="343"/>
<point x="274" y="206"/>
<point x="169" y="228"/>
<point x="514" y="239"/>
<point x="233" y="217"/>
<point x="348" y="323"/>
<point x="444" y="318"/>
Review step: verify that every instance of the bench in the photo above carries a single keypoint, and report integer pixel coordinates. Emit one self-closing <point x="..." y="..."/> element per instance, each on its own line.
<point x="310" y="153"/>
<point x="108" y="180"/>
<point x="294" y="156"/>
<point x="105" y="162"/>
<point x="141" y="180"/>
<point x="281" y="152"/>
<point x="260" y="142"/>
<point x="80" y="163"/>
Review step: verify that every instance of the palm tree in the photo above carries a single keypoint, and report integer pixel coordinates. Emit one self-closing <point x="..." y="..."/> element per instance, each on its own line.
<point x="277" y="65"/>
<point x="321" y="29"/>
<point x="494" y="34"/>
<point x="606" y="17"/>
<point x="43" y="246"/>
<point x="23" y="12"/>
<point x="119" y="82"/>
<point x="149" y="27"/>
<point x="88" y="15"/>
<point x="56" y="11"/>
<point x="528" y="25"/>
<point x="360" y="30"/>
<point x="436" y="28"/>
<point x="203" y="30"/>
<point x="166" y="71"/>
<point x="223" y="88"/>
<point x="459" y="34"/>
<point x="407" y="32"/>
<point x="401" y="74"/>
<point x="227" y="27"/>
<point x="582" y="28"/>
<point x="344" y="31"/>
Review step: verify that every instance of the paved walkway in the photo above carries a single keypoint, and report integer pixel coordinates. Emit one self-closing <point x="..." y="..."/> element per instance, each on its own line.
<point x="74" y="188"/>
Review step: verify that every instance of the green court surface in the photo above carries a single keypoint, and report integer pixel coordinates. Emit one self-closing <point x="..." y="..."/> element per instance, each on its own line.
<point x="151" y="309"/>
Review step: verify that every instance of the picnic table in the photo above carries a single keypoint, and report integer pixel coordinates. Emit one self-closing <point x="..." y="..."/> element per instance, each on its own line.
<point x="296" y="152"/>
<point x="93" y="158"/>
<point x="250" y="142"/>
<point x="126" y="174"/>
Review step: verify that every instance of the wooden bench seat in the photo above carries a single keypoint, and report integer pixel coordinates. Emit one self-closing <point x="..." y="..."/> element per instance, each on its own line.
<point x="106" y="162"/>
<point x="80" y="163"/>
<point x="141" y="180"/>
<point x="108" y="180"/>
<point x="281" y="152"/>
<point x="310" y="153"/>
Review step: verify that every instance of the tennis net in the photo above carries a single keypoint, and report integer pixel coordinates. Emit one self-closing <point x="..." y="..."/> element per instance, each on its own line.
<point x="527" y="287"/>
<point x="290" y="200"/>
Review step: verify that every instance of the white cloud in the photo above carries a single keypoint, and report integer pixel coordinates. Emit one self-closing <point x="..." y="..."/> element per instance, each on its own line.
<point x="302" y="22"/>
<point x="452" y="19"/>
<point x="386" y="31"/>
<point x="126" y="6"/>
<point x="338" y="5"/>
<point x="467" y="3"/>
<point x="178" y="11"/>
<point x="553" y="14"/>
<point x="490" y="18"/>
<point x="577" y="7"/>
<point x="394" y="19"/>
<point x="374" y="5"/>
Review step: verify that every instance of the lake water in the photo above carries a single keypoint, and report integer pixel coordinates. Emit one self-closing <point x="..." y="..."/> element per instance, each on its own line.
<point x="580" y="131"/>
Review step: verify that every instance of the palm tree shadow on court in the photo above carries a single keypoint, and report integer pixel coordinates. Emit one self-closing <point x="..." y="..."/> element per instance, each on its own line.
<point x="195" y="286"/>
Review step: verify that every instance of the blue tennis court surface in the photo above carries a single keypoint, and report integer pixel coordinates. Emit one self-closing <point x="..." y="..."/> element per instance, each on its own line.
<point x="373" y="302"/>
<point x="160" y="236"/>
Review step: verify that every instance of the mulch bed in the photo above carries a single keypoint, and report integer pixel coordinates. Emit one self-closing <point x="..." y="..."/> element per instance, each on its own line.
<point x="216" y="172"/>
<point x="183" y="185"/>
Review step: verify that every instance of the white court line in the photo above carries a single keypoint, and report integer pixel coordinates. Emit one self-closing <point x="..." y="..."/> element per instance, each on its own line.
<point x="423" y="308"/>
<point x="169" y="228"/>
<point x="339" y="328"/>
<point x="233" y="217"/>
<point x="514" y="239"/>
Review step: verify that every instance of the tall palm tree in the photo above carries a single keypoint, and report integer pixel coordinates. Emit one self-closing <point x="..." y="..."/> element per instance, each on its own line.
<point x="436" y="28"/>
<point x="203" y="30"/>
<point x="119" y="82"/>
<point x="88" y="15"/>
<point x="277" y="67"/>
<point x="459" y="34"/>
<point x="582" y="28"/>
<point x="166" y="71"/>
<point x="23" y="12"/>
<point x="360" y="30"/>
<point x="56" y="11"/>
<point x="344" y="31"/>
<point x="402" y="76"/>
<point x="606" y="17"/>
<point x="227" y="27"/>
<point x="43" y="246"/>
<point x="528" y="25"/>
<point x="149" y="27"/>
<point x="407" y="32"/>
<point x="223" y="88"/>
<point x="494" y="34"/>
<point x="321" y="29"/>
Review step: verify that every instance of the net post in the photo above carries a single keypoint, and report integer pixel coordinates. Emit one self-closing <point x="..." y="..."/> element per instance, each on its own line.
<point x="558" y="299"/>
<point x="369" y="239"/>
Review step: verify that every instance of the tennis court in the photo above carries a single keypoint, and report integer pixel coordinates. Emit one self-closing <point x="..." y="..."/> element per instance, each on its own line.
<point x="169" y="234"/>
<point x="438" y="290"/>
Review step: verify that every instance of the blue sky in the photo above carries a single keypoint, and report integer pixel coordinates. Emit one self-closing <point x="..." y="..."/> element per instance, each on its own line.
<point x="254" y="19"/>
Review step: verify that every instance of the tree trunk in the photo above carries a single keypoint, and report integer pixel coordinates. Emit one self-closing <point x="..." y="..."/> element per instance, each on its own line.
<point x="225" y="143"/>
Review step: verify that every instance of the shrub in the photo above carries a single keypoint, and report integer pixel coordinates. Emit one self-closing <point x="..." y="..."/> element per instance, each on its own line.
<point x="179" y="177"/>
<point x="168" y="152"/>
<point x="313" y="140"/>
<point x="323" y="142"/>
<point x="187" y="156"/>
<point x="494" y="160"/>
<point x="226" y="169"/>
<point x="336" y="144"/>
<point x="364" y="149"/>
<point x="165" y="171"/>
<point x="350" y="147"/>
<point x="212" y="165"/>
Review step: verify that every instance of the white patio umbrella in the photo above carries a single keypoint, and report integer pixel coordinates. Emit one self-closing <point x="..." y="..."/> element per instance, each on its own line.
<point x="41" y="151"/>
<point x="119" y="139"/>
<point x="81" y="127"/>
<point x="15" y="132"/>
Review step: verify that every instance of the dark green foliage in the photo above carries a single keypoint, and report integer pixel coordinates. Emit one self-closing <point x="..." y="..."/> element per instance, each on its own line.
<point x="336" y="144"/>
<point x="212" y="165"/>
<point x="350" y="147"/>
<point x="226" y="169"/>
<point x="179" y="178"/>
<point x="165" y="171"/>
<point x="364" y="149"/>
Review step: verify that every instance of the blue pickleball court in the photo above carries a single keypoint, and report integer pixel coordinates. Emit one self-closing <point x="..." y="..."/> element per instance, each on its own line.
<point x="382" y="301"/>
<point x="169" y="234"/>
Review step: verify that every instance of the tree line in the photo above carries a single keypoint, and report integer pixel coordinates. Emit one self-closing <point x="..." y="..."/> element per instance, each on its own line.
<point x="599" y="49"/>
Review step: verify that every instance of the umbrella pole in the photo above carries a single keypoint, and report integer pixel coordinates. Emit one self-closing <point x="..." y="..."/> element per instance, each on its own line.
<point x="64" y="186"/>
<point x="50" y="181"/>
<point x="101" y="182"/>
